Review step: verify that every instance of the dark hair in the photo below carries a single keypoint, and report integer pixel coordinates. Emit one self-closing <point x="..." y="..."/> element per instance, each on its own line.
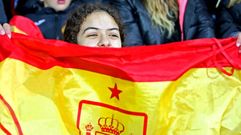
<point x="79" y="15"/>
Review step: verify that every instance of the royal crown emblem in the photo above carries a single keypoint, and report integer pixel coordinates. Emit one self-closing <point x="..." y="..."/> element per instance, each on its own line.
<point x="110" y="126"/>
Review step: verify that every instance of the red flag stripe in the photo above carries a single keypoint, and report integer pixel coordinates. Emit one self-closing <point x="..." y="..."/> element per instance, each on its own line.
<point x="153" y="63"/>
<point x="4" y="130"/>
<point x="12" y="114"/>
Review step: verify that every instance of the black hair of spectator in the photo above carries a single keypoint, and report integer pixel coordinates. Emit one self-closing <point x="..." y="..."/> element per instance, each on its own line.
<point x="76" y="19"/>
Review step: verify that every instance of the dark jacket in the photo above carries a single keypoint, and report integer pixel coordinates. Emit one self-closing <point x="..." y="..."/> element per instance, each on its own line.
<point x="3" y="17"/>
<point x="228" y="20"/>
<point x="24" y="7"/>
<point x="51" y="22"/>
<point x="139" y="29"/>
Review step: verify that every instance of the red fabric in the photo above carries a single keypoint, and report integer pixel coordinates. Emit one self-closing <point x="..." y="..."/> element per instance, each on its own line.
<point x="27" y="26"/>
<point x="4" y="130"/>
<point x="143" y="63"/>
<point x="5" y="48"/>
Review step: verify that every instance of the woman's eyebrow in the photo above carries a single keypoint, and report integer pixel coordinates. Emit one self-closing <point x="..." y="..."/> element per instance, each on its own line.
<point x="113" y="29"/>
<point x="95" y="28"/>
<point x="89" y="28"/>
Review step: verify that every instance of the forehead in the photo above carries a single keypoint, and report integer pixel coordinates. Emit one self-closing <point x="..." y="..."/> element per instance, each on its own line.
<point x="99" y="19"/>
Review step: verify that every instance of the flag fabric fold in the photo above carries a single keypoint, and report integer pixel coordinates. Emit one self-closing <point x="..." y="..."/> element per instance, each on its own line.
<point x="52" y="87"/>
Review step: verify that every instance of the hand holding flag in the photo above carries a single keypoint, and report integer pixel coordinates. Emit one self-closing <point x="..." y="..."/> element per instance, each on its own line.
<point x="5" y="29"/>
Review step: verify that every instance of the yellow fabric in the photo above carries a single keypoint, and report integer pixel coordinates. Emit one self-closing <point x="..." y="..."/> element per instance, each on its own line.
<point x="17" y="30"/>
<point x="46" y="102"/>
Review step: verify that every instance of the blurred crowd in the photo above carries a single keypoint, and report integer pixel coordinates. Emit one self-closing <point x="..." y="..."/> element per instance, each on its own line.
<point x="145" y="22"/>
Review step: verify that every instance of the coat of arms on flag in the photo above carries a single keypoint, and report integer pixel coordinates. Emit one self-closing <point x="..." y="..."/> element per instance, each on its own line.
<point x="105" y="122"/>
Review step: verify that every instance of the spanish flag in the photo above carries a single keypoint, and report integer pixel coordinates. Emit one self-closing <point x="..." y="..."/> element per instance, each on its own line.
<point x="50" y="87"/>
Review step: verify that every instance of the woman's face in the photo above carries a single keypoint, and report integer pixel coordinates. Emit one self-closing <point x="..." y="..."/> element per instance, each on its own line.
<point x="57" y="5"/>
<point x="99" y="29"/>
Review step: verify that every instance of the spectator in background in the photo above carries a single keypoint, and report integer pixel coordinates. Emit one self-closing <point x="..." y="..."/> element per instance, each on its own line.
<point x="94" y="25"/>
<point x="52" y="16"/>
<point x="23" y="7"/>
<point x="228" y="18"/>
<point x="3" y="17"/>
<point x="149" y="22"/>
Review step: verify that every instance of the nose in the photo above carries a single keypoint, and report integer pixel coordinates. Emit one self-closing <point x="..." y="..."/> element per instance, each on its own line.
<point x="104" y="41"/>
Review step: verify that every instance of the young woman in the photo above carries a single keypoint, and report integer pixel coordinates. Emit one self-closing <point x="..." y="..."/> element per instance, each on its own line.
<point x="94" y="25"/>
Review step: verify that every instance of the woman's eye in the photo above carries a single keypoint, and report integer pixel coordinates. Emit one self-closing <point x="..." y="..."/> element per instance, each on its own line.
<point x="114" y="35"/>
<point x="92" y="35"/>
